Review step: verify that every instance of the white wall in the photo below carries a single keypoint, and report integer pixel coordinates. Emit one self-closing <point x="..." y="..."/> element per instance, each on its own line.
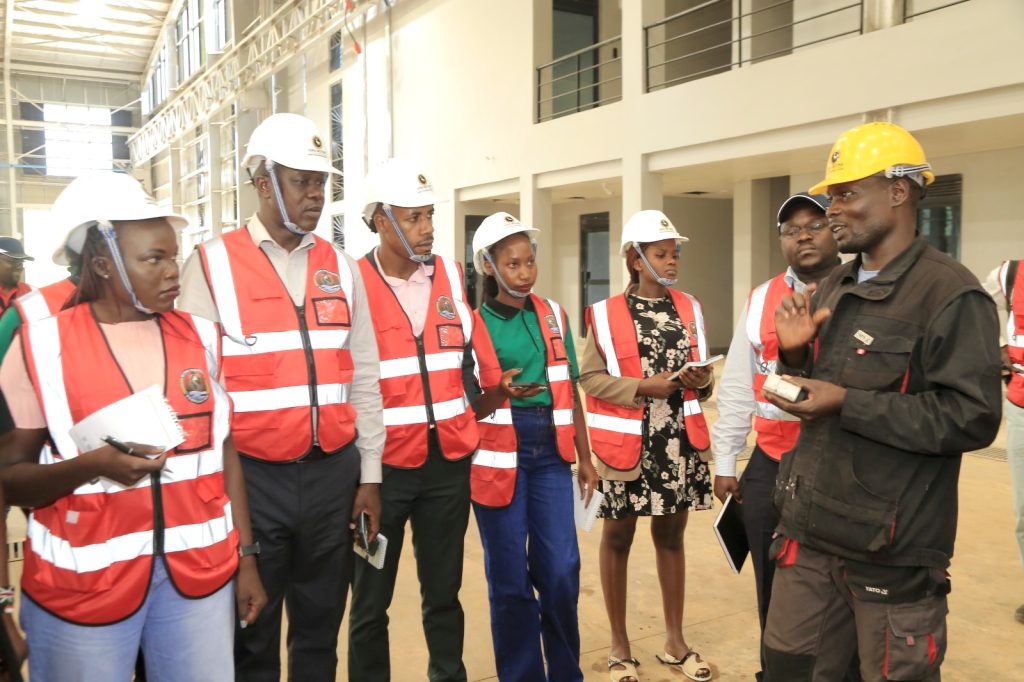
<point x="705" y="268"/>
<point x="992" y="225"/>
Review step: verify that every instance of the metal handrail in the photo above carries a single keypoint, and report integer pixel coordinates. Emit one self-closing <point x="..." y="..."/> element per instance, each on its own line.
<point x="734" y="61"/>
<point x="582" y="50"/>
<point x="911" y="15"/>
<point x="764" y="33"/>
<point x="587" y="79"/>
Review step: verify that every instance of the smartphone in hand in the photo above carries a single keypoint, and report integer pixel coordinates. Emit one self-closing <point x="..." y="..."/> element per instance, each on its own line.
<point x="363" y="532"/>
<point x="528" y="385"/>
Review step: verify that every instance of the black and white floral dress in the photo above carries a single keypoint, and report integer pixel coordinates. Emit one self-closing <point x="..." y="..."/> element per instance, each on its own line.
<point x="672" y="477"/>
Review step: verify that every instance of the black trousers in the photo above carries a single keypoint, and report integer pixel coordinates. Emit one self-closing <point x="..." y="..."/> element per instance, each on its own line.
<point x="300" y="514"/>
<point x="760" y="519"/>
<point x="435" y="500"/>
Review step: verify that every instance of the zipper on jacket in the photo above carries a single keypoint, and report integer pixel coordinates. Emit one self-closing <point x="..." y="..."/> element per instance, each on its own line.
<point x="425" y="378"/>
<point x="158" y="514"/>
<point x="307" y="349"/>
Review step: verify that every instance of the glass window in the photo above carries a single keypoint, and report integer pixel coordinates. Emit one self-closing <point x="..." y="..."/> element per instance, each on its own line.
<point x="78" y="139"/>
<point x="938" y="214"/>
<point x="189" y="39"/>
<point x="337" y="144"/>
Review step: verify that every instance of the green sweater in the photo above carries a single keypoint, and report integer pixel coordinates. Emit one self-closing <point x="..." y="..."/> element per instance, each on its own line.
<point x="519" y="344"/>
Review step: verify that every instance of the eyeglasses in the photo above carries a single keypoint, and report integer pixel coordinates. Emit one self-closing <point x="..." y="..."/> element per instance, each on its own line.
<point x="814" y="229"/>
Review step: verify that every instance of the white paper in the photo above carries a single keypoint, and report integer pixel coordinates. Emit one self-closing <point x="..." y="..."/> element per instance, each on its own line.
<point x="585" y="514"/>
<point x="145" y="418"/>
<point x="377" y="558"/>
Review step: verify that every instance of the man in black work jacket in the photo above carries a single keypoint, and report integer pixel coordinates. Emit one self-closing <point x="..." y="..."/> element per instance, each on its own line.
<point x="898" y="355"/>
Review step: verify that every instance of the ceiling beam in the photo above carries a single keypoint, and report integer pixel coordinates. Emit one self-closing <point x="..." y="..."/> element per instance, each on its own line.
<point x="12" y="186"/>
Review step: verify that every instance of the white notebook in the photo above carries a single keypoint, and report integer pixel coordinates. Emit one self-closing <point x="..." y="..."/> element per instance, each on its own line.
<point x="585" y="513"/>
<point x="145" y="418"/>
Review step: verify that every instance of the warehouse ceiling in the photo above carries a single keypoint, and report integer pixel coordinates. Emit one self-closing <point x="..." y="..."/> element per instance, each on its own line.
<point x="107" y="39"/>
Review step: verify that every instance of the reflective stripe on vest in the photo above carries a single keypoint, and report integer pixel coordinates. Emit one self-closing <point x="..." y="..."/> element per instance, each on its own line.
<point x="1015" y="332"/>
<point x="776" y="429"/>
<point x="615" y="431"/>
<point x="33" y="306"/>
<point x="269" y="350"/>
<point x="493" y="474"/>
<point x="89" y="553"/>
<point x="404" y="358"/>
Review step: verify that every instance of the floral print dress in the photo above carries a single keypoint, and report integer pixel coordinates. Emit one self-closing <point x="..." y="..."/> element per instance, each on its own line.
<point x="672" y="477"/>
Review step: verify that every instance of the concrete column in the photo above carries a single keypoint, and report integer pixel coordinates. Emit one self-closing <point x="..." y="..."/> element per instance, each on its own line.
<point x="752" y="238"/>
<point x="535" y="209"/>
<point x="633" y="63"/>
<point x="641" y="190"/>
<point x="213" y="177"/>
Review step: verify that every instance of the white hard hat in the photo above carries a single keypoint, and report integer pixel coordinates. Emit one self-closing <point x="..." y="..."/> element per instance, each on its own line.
<point x="289" y="140"/>
<point x="396" y="182"/>
<point x="102" y="196"/>
<point x="648" y="226"/>
<point x="492" y="230"/>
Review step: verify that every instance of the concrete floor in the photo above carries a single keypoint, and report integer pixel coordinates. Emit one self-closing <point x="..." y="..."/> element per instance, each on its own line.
<point x="986" y="643"/>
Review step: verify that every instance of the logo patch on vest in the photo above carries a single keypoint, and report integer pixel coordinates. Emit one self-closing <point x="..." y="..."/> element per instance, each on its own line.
<point x="193" y="385"/>
<point x="445" y="307"/>
<point x="864" y="337"/>
<point x="450" y="336"/>
<point x="327" y="281"/>
<point x="552" y="324"/>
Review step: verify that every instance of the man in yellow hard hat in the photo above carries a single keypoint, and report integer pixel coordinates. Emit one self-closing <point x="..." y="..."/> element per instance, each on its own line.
<point x="896" y="359"/>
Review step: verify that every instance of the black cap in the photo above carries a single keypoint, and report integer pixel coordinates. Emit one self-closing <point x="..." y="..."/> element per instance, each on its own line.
<point x="819" y="201"/>
<point x="13" y="248"/>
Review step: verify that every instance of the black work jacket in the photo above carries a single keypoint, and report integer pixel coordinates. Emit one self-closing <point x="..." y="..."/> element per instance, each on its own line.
<point x="917" y="349"/>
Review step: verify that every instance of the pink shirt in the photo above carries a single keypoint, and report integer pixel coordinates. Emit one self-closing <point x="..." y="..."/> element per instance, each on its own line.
<point x="137" y="347"/>
<point x="413" y="294"/>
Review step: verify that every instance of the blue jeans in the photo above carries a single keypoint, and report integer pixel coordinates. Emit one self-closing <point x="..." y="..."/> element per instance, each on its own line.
<point x="531" y="544"/>
<point x="183" y="640"/>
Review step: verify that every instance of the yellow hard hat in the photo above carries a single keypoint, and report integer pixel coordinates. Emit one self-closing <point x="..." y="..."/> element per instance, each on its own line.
<point x="872" y="148"/>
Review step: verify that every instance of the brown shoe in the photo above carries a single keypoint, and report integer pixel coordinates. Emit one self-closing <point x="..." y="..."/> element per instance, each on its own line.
<point x="1019" y="614"/>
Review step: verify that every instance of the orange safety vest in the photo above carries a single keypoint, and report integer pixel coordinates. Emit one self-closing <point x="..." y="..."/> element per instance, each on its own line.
<point x="288" y="369"/>
<point x="421" y="376"/>
<point x="89" y="555"/>
<point x="45" y="301"/>
<point x="1014" y="330"/>
<point x="616" y="432"/>
<point x="777" y="430"/>
<point x="7" y="299"/>
<point x="493" y="474"/>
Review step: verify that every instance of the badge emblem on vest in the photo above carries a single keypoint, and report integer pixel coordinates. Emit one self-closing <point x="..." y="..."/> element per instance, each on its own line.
<point x="552" y="324"/>
<point x="327" y="281"/>
<point x="445" y="308"/>
<point x="693" y="332"/>
<point x="193" y="385"/>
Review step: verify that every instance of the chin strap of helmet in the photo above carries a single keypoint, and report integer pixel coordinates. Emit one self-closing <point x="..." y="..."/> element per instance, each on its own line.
<point x="413" y="256"/>
<point x="288" y="224"/>
<point x="663" y="281"/>
<point x="501" y="281"/>
<point x="110" y="237"/>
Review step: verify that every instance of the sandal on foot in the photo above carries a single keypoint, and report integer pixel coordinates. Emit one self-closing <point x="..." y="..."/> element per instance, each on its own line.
<point x="628" y="670"/>
<point x="691" y="665"/>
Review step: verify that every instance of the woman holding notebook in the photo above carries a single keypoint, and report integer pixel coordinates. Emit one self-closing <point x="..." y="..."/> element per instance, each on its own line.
<point x="531" y="430"/>
<point x="130" y="543"/>
<point x="646" y="429"/>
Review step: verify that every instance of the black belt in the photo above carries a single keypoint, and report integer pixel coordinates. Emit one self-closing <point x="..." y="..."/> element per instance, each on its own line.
<point x="314" y="455"/>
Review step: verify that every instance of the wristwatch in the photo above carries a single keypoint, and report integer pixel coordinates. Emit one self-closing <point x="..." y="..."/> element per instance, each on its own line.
<point x="246" y="550"/>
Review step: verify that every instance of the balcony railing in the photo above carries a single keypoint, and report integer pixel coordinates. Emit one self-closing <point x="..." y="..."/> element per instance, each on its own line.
<point x="583" y="79"/>
<point x="708" y="38"/>
<point x="916" y="8"/>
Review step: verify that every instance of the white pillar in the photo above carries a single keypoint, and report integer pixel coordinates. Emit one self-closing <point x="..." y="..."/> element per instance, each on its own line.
<point x="535" y="209"/>
<point x="752" y="239"/>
